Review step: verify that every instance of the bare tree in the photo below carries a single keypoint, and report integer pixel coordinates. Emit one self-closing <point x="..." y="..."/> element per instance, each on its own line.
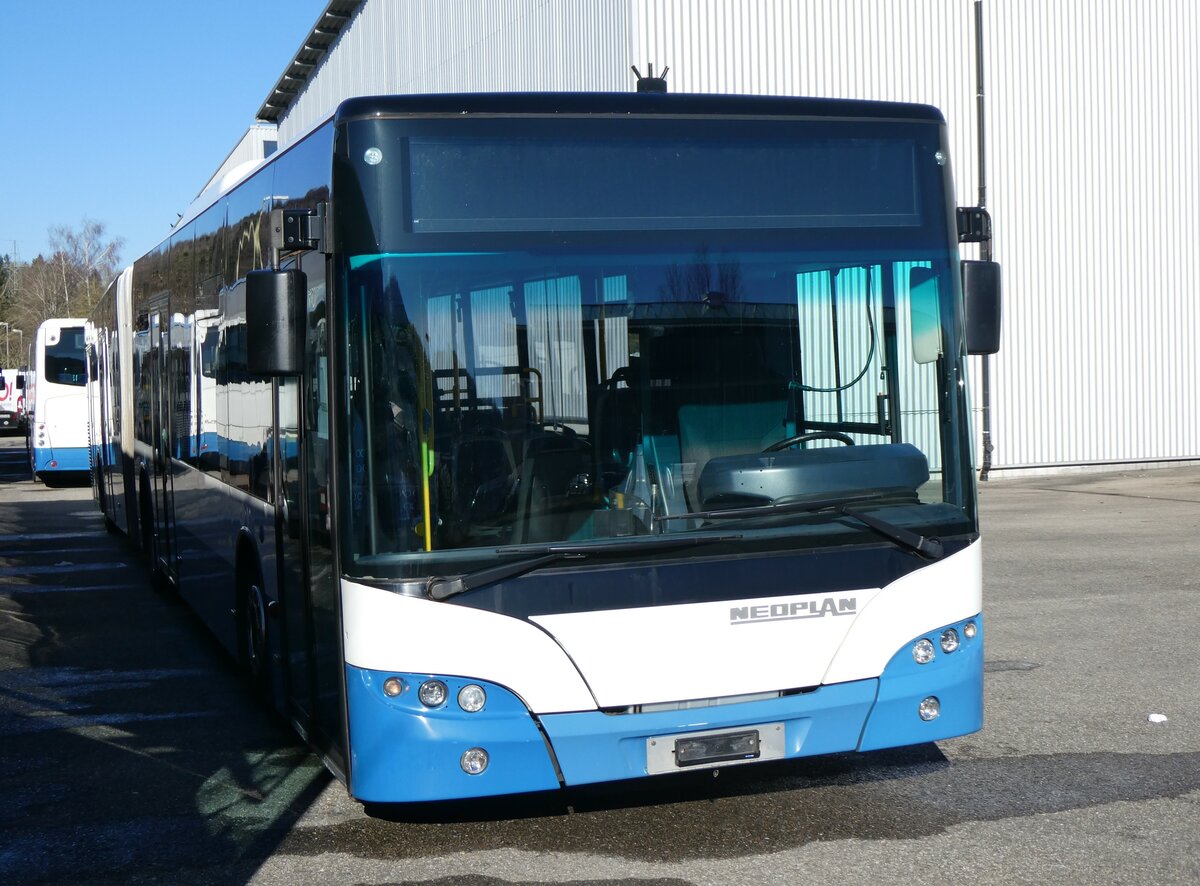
<point x="86" y="261"/>
<point x="7" y="285"/>
<point x="68" y="283"/>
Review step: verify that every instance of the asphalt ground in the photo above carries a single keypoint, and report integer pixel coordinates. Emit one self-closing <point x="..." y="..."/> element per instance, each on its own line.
<point x="130" y="751"/>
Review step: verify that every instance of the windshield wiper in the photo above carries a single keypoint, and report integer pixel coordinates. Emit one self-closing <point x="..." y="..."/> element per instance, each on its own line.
<point x="441" y="588"/>
<point x="926" y="547"/>
<point x="923" y="545"/>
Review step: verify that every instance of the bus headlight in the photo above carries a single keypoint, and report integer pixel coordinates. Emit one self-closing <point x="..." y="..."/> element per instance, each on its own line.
<point x="923" y="651"/>
<point x="472" y="698"/>
<point x="393" y="686"/>
<point x="474" y="761"/>
<point x="949" y="640"/>
<point x="433" y="693"/>
<point x="929" y="708"/>
<point x="970" y="629"/>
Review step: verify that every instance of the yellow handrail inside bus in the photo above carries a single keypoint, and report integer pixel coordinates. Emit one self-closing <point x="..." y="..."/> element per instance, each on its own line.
<point x="425" y="435"/>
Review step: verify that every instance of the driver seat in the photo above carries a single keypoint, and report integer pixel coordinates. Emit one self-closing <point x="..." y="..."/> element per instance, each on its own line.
<point x="725" y="398"/>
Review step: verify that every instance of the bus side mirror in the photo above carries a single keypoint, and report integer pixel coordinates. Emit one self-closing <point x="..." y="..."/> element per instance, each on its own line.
<point x="981" y="292"/>
<point x="274" y="300"/>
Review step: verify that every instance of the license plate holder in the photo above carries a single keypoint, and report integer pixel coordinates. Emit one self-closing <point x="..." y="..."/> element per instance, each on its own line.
<point x="719" y="748"/>
<point x="714" y="747"/>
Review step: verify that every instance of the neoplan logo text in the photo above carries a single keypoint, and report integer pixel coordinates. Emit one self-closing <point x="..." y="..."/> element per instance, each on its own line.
<point x="819" y="608"/>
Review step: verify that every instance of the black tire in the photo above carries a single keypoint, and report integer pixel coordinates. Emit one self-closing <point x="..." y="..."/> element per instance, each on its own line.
<point x="254" y="647"/>
<point x="146" y="525"/>
<point x="158" y="579"/>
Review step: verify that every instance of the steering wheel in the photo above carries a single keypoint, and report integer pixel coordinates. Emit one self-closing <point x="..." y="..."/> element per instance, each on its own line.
<point x="811" y="435"/>
<point x="559" y="429"/>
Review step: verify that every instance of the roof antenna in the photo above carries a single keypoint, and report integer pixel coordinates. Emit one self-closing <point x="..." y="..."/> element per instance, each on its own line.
<point x="650" y="83"/>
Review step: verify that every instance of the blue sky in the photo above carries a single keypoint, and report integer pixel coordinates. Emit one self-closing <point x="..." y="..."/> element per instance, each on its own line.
<point x="120" y="112"/>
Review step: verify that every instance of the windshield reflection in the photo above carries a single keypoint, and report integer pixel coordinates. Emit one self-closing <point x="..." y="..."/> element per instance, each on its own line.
<point x="500" y="399"/>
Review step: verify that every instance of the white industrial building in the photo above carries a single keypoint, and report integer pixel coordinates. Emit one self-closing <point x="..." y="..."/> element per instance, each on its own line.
<point x="1092" y="157"/>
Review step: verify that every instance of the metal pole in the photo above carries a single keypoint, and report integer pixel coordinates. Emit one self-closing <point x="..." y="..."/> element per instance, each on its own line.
<point x="979" y="103"/>
<point x="985" y="408"/>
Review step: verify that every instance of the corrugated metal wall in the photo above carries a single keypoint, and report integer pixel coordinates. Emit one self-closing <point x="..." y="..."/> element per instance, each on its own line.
<point x="416" y="46"/>
<point x="1093" y="158"/>
<point x="1095" y="111"/>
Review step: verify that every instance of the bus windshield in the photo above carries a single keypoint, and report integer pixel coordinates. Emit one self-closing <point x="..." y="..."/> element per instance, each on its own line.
<point x="65" y="357"/>
<point x="525" y="372"/>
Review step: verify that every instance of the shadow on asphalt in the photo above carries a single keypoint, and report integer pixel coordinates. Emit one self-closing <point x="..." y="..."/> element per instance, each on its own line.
<point x="906" y="794"/>
<point x="14" y="460"/>
<point x="133" y="751"/>
<point x="66" y="479"/>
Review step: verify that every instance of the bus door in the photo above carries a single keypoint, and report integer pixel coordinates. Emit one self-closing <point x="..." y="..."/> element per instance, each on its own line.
<point x="297" y="643"/>
<point x="308" y="578"/>
<point x="161" y="404"/>
<point x="97" y="430"/>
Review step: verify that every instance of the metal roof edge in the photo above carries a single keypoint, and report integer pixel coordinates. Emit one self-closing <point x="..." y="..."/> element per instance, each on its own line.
<point x="308" y="58"/>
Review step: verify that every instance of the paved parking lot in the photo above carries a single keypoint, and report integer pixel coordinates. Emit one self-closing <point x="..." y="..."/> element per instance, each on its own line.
<point x="132" y="754"/>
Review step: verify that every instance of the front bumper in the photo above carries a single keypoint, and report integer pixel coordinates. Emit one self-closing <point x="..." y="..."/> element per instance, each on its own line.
<point x="402" y="751"/>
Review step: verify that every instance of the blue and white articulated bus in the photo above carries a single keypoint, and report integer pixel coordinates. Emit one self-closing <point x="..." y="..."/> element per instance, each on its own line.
<point x="563" y="439"/>
<point x="56" y="399"/>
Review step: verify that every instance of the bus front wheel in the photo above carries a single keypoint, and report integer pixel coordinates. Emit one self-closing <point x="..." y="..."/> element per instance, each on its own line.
<point x="253" y="642"/>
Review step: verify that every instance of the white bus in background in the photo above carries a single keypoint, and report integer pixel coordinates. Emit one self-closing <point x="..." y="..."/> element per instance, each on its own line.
<point x="56" y="399"/>
<point x="12" y="399"/>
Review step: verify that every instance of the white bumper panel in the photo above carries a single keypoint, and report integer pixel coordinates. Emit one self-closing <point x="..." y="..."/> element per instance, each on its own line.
<point x="943" y="592"/>
<point x="706" y="650"/>
<point x="714" y="650"/>
<point x="391" y="632"/>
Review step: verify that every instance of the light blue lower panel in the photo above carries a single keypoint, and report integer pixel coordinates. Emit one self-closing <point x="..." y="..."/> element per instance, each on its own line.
<point x="594" y="747"/>
<point x="60" y="458"/>
<point x="401" y="751"/>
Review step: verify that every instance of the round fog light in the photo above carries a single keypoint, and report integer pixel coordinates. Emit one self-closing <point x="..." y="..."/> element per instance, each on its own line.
<point x="471" y="698"/>
<point x="474" y="761"/>
<point x="970" y="630"/>
<point x="929" y="708"/>
<point x="949" y="640"/>
<point x="923" y="651"/>
<point x="393" y="686"/>
<point x="433" y="693"/>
